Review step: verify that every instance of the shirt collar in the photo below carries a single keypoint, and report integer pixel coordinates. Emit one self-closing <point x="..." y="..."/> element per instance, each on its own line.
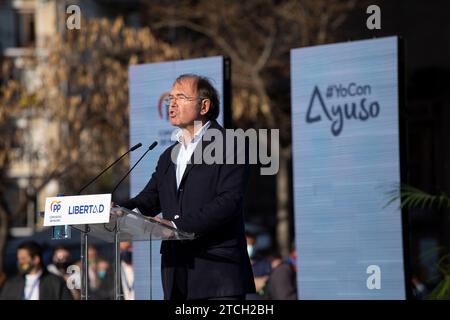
<point x="34" y="276"/>
<point x="178" y="134"/>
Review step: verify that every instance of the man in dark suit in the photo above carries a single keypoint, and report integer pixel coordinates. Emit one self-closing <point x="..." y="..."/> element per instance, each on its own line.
<point x="201" y="198"/>
<point x="34" y="282"/>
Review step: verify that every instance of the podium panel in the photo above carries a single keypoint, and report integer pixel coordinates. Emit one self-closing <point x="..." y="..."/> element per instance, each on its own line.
<point x="133" y="226"/>
<point x="124" y="225"/>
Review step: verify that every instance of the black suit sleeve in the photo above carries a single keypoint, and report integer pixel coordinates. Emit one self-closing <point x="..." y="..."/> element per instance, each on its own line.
<point x="226" y="206"/>
<point x="12" y="289"/>
<point x="147" y="201"/>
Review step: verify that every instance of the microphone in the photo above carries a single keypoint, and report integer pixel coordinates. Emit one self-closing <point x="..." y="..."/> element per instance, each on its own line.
<point x="151" y="147"/>
<point x="97" y="176"/>
<point x="137" y="146"/>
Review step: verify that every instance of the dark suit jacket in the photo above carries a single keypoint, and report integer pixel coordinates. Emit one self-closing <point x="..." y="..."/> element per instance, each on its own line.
<point x="51" y="287"/>
<point x="209" y="203"/>
<point x="281" y="284"/>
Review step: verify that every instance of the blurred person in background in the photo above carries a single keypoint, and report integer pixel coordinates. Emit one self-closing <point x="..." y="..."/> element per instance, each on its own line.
<point x="127" y="278"/>
<point x="260" y="266"/>
<point x="61" y="260"/>
<point x="250" y="239"/>
<point x="94" y="281"/>
<point x="275" y="278"/>
<point x="102" y="269"/>
<point x="106" y="289"/>
<point x="282" y="280"/>
<point x="419" y="289"/>
<point x="94" y="278"/>
<point x="33" y="282"/>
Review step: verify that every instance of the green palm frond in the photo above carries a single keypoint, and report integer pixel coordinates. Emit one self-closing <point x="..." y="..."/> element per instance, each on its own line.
<point x="415" y="198"/>
<point x="411" y="197"/>
<point x="442" y="290"/>
<point x="393" y="195"/>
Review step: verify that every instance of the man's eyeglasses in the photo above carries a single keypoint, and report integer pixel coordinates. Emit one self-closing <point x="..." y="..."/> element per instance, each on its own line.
<point x="179" y="97"/>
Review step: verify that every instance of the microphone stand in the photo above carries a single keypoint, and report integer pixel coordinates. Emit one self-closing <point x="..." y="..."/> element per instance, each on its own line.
<point x="85" y="234"/>
<point x="117" y="266"/>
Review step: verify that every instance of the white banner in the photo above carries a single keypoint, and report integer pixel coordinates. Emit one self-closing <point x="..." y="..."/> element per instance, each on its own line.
<point x="346" y="162"/>
<point x="71" y="210"/>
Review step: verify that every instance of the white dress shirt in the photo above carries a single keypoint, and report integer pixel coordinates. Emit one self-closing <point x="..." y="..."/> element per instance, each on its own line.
<point x="185" y="153"/>
<point x="186" y="150"/>
<point x="31" y="291"/>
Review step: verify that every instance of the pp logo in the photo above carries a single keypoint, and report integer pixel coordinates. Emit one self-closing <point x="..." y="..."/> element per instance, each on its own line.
<point x="163" y="106"/>
<point x="55" y="206"/>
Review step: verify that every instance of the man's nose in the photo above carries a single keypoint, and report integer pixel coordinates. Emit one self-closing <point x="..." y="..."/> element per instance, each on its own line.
<point x="174" y="102"/>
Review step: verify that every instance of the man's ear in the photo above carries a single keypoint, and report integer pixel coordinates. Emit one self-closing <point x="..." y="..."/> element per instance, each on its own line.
<point x="204" y="107"/>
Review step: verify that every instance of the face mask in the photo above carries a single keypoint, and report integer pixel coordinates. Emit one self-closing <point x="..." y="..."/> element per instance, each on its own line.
<point x="126" y="256"/>
<point x="25" y="268"/>
<point x="101" y="274"/>
<point x="250" y="250"/>
<point x="62" y="265"/>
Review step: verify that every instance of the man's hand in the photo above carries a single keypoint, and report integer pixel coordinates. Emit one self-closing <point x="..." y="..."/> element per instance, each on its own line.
<point x="115" y="211"/>
<point x="169" y="234"/>
<point x="164" y="221"/>
<point x="260" y="282"/>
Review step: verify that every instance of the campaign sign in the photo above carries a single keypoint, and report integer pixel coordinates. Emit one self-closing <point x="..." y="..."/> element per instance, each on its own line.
<point x="70" y="210"/>
<point x="346" y="164"/>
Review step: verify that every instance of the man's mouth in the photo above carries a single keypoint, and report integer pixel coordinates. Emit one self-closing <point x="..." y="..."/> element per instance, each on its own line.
<point x="172" y="114"/>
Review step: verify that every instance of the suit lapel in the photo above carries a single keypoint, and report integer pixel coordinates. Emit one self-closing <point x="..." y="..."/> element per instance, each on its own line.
<point x="171" y="169"/>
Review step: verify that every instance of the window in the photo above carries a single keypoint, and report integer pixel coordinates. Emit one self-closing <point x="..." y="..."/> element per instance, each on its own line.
<point x="25" y="28"/>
